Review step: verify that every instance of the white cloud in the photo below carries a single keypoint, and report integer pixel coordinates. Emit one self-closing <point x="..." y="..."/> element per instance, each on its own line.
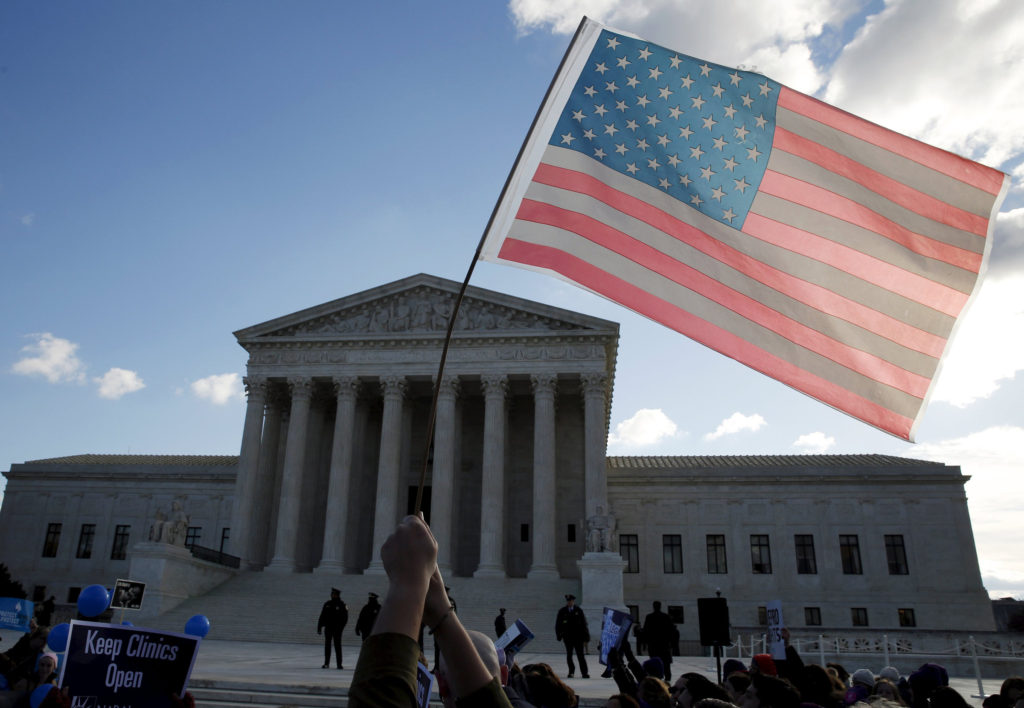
<point x="736" y="423"/>
<point x="117" y="382"/>
<point x="993" y="458"/>
<point x="815" y="443"/>
<point x="219" y="388"/>
<point x="648" y="426"/>
<point x="962" y="93"/>
<point x="777" y="43"/>
<point x="988" y="344"/>
<point x="28" y="219"/>
<point x="51" y="357"/>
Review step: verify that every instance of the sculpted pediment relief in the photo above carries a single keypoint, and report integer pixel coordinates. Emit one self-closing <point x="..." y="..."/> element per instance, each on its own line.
<point x="422" y="310"/>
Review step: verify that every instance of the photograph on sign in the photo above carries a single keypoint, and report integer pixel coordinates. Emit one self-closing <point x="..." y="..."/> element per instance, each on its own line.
<point x="115" y="665"/>
<point x="127" y="595"/>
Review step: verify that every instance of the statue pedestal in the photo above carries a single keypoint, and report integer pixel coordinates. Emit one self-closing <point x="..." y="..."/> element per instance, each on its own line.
<point x="601" y="586"/>
<point x="172" y="576"/>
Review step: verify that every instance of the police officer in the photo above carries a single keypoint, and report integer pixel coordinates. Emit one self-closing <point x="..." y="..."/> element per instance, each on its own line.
<point x="333" y="618"/>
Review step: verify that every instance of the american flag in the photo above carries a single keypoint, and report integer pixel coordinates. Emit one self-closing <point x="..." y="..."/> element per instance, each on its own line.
<point x="818" y="248"/>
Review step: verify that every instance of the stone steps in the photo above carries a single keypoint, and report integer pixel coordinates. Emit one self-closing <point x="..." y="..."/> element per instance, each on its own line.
<point x="270" y="606"/>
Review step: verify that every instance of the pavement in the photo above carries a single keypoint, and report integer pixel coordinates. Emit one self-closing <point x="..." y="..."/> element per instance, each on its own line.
<point x="298" y="667"/>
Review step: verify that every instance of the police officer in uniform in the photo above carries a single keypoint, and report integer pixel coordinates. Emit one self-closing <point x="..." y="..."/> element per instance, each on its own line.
<point x="333" y="618"/>
<point x="571" y="628"/>
<point x="367" y="617"/>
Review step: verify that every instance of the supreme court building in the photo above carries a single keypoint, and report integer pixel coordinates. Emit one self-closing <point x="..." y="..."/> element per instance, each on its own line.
<point x="518" y="485"/>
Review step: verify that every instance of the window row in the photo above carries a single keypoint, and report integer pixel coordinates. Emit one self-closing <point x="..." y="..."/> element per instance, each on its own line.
<point x="858" y="616"/>
<point x="761" y="554"/>
<point x="119" y="548"/>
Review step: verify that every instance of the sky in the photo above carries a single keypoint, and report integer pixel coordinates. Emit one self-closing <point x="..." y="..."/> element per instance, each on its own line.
<point x="173" y="172"/>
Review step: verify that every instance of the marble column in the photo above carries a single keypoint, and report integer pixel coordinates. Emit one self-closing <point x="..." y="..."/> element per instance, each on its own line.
<point x="248" y="471"/>
<point x="492" y="487"/>
<point x="385" y="514"/>
<point x="336" y="521"/>
<point x="595" y="386"/>
<point x="544" y="488"/>
<point x="443" y="478"/>
<point x="265" y="492"/>
<point x="292" y="476"/>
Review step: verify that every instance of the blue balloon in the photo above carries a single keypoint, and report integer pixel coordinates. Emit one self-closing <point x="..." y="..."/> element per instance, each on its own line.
<point x="57" y="639"/>
<point x="197" y="626"/>
<point x="126" y="623"/>
<point x="93" y="600"/>
<point x="39" y="694"/>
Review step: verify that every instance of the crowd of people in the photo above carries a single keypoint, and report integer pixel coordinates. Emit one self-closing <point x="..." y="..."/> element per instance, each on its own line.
<point x="472" y="673"/>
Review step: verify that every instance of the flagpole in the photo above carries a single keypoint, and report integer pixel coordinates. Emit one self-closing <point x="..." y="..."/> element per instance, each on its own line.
<point x="472" y="266"/>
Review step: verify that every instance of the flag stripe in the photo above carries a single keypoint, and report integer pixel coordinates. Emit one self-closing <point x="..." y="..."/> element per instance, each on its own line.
<point x="785" y="260"/>
<point x="972" y="173"/>
<point x="875" y="271"/>
<point x="589" y="228"/>
<point x="708" y="334"/>
<point x="942" y="235"/>
<point x="892" y="165"/>
<point x="951" y="281"/>
<point x="890" y="189"/>
<point x="683" y="236"/>
<point x="827" y="202"/>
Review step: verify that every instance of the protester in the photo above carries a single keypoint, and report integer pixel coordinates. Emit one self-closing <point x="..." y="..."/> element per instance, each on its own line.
<point x="653" y="692"/>
<point x="924" y="682"/>
<point x="571" y="628"/>
<point x="386" y="671"/>
<point x="333" y="618"/>
<point x="659" y="633"/>
<point x="545" y="689"/>
<point x="767" y="691"/>
<point x="621" y="700"/>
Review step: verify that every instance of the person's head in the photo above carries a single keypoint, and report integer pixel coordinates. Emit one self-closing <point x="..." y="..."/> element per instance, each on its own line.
<point x="335" y="593"/>
<point x="767" y="691"/>
<point x="763" y="664"/>
<point x="654" y="667"/>
<point x="817" y="685"/>
<point x="864" y="677"/>
<point x="884" y="688"/>
<point x="735" y="684"/>
<point x="731" y="666"/>
<point x="501" y="610"/>
<point x="488" y="654"/>
<point x="840" y="672"/>
<point x="924" y="681"/>
<point x="657" y="606"/>
<point x="891" y="673"/>
<point x="373" y="598"/>
<point x="621" y="700"/>
<point x="46" y="665"/>
<point x="654" y="692"/>
<point x="570" y="600"/>
<point x="546" y="689"/>
<point x="1012" y="690"/>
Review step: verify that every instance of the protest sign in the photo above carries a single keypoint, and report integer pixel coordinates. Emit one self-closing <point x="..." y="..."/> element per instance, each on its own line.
<point x="776" y="643"/>
<point x="15" y="613"/>
<point x="515" y="638"/>
<point x="614" y="629"/>
<point x="128" y="595"/>
<point x="424" y="683"/>
<point x="113" y="666"/>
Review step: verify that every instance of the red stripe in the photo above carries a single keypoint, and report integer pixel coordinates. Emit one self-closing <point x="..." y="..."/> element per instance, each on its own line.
<point x="866" y="364"/>
<point x="826" y="202"/>
<point x="813" y="295"/>
<point x="972" y="173"/>
<point x="878" y="272"/>
<point x="708" y="334"/>
<point x="893" y="190"/>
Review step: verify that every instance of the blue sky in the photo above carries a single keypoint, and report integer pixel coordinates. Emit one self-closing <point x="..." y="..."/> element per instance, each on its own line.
<point x="172" y="172"/>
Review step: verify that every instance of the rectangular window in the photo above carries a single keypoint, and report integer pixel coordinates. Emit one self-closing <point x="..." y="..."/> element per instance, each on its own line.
<point x="524" y="532"/>
<point x="849" y="550"/>
<point x="672" y="553"/>
<point x="896" y="554"/>
<point x="762" y="615"/>
<point x="675" y="613"/>
<point x="629" y="547"/>
<point x="119" y="550"/>
<point x="716" y="554"/>
<point x="859" y="616"/>
<point x="85" y="538"/>
<point x="52" y="540"/>
<point x="907" y="618"/>
<point x="193" y="535"/>
<point x="760" y="554"/>
<point x="571" y="533"/>
<point x="805" y="561"/>
<point x="812" y="616"/>
<point x="225" y="536"/>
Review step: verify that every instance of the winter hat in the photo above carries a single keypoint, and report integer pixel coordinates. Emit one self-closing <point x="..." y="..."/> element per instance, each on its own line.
<point x="731" y="666"/>
<point x="865" y="677"/>
<point x="654" y="667"/>
<point x="765" y="664"/>
<point x="890" y="673"/>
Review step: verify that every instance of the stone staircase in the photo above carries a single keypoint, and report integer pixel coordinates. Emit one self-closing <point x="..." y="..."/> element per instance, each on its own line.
<point x="269" y="606"/>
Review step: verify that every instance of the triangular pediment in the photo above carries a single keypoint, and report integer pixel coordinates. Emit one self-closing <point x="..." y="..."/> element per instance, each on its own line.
<point x="421" y="305"/>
